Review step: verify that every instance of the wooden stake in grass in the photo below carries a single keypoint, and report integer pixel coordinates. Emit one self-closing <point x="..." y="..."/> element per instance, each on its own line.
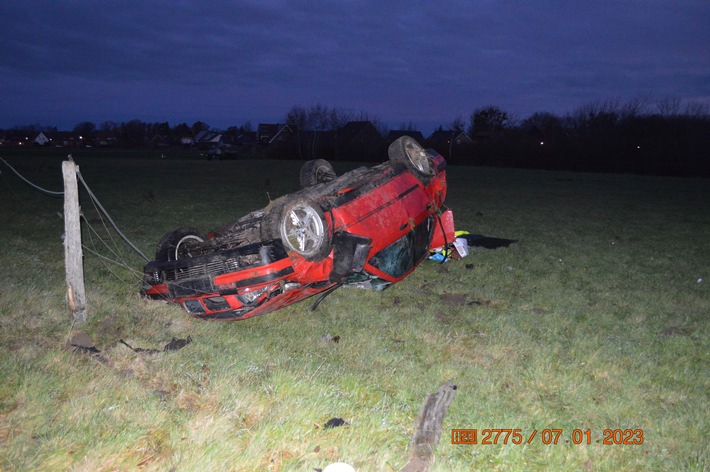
<point x="428" y="433"/>
<point x="73" y="258"/>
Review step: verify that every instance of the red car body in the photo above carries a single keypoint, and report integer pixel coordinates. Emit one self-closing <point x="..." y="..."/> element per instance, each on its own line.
<point x="370" y="227"/>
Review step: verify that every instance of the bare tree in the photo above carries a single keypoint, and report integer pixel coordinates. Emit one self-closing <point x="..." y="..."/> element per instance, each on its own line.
<point x="634" y="107"/>
<point x="458" y="124"/>
<point x="109" y="126"/>
<point x="86" y="129"/>
<point x="489" y="119"/>
<point x="133" y="133"/>
<point x="198" y="126"/>
<point x="696" y="110"/>
<point x="311" y="124"/>
<point x="669" y="106"/>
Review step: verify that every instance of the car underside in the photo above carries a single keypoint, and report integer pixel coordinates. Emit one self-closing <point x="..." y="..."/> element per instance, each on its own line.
<point x="368" y="228"/>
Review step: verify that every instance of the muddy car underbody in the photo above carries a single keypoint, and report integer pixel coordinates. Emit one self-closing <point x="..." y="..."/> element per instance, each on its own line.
<point x="369" y="228"/>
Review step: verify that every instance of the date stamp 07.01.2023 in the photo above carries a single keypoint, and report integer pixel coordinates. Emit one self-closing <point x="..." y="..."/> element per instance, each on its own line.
<point x="546" y="436"/>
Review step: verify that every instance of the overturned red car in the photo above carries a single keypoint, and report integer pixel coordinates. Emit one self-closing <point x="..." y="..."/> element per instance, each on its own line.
<point x="369" y="227"/>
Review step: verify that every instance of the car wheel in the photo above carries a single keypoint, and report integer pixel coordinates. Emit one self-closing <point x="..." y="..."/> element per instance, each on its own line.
<point x="300" y="225"/>
<point x="178" y="244"/>
<point x="408" y="152"/>
<point x="315" y="172"/>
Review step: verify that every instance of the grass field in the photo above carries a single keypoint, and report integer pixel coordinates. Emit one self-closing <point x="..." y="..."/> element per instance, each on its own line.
<point x="596" y="319"/>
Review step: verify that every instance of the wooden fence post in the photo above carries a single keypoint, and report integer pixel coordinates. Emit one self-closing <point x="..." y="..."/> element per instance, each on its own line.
<point x="73" y="257"/>
<point x="428" y="428"/>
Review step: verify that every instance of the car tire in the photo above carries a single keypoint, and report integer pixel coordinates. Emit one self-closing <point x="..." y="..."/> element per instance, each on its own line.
<point x="406" y="151"/>
<point x="315" y="172"/>
<point x="300" y="225"/>
<point x="178" y="244"/>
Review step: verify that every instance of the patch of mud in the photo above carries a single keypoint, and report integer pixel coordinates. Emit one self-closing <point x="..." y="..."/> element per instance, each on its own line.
<point x="454" y="299"/>
<point x="36" y="341"/>
<point x="675" y="331"/>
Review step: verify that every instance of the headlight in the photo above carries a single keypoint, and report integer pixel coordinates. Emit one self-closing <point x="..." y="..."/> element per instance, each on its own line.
<point x="193" y="306"/>
<point x="249" y="296"/>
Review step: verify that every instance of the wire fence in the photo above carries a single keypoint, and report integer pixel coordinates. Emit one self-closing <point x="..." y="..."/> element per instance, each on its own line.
<point x="100" y="239"/>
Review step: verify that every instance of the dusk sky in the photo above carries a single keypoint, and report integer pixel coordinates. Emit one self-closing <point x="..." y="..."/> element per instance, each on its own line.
<point x="224" y="63"/>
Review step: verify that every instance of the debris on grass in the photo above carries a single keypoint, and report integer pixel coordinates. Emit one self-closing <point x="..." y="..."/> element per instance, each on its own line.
<point x="458" y="249"/>
<point x="334" y="423"/>
<point x="138" y="349"/>
<point x="81" y="342"/>
<point x="174" y="345"/>
<point x="338" y="467"/>
<point x="177" y="344"/>
<point x="86" y="349"/>
<point x="327" y="338"/>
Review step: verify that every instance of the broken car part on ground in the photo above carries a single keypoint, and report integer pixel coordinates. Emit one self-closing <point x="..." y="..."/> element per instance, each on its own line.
<point x="369" y="227"/>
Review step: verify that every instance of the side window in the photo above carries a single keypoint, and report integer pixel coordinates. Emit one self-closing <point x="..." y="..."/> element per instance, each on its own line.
<point x="400" y="257"/>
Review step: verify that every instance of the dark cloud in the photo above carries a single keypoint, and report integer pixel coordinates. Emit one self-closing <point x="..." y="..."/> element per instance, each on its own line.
<point x="425" y="62"/>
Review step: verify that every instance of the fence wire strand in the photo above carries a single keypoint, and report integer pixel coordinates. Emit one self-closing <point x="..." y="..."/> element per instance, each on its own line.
<point x="119" y="260"/>
<point x="35" y="186"/>
<point x="95" y="239"/>
<point x="116" y="251"/>
<point x="108" y="217"/>
<point x="100" y="210"/>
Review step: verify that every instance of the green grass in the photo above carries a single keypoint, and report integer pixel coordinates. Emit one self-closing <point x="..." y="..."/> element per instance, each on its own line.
<point x="594" y="319"/>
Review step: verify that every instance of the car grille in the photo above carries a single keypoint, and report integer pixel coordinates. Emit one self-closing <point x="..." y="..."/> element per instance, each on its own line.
<point x="198" y="272"/>
<point x="211" y="268"/>
<point x="207" y="267"/>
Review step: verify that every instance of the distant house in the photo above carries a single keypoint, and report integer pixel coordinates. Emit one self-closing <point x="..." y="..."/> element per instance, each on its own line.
<point x="213" y="138"/>
<point x="483" y="136"/>
<point x="394" y="135"/>
<point x="238" y="143"/>
<point x="445" y="141"/>
<point x="246" y="138"/>
<point x="206" y="140"/>
<point x="105" y="139"/>
<point x="63" y="139"/>
<point x="358" y="140"/>
<point x="42" y="139"/>
<point x="199" y="136"/>
<point x="267" y="133"/>
<point x="15" y="138"/>
<point x="358" y="132"/>
<point x="448" y="136"/>
<point x="159" y="141"/>
<point x="208" y="137"/>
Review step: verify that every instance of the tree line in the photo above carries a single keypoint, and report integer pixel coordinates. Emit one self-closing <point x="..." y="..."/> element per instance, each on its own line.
<point x="667" y="138"/>
<point x="612" y="136"/>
